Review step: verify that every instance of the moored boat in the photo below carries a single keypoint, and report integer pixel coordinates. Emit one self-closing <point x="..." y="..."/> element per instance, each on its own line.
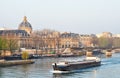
<point x="66" y="66"/>
<point x="4" y="63"/>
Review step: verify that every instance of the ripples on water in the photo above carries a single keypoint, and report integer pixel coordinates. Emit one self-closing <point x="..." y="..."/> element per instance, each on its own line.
<point x="110" y="68"/>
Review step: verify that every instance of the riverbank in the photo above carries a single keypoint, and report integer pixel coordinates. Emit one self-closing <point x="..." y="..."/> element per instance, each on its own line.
<point x="4" y="63"/>
<point x="8" y="58"/>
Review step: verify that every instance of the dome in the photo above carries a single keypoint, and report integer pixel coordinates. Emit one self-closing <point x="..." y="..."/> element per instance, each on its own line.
<point x="25" y="25"/>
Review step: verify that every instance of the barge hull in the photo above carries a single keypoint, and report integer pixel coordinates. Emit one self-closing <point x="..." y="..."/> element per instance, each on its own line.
<point x="76" y="66"/>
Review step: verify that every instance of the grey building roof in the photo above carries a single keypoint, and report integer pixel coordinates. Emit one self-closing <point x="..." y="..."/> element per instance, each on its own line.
<point x="16" y="32"/>
<point x="67" y="35"/>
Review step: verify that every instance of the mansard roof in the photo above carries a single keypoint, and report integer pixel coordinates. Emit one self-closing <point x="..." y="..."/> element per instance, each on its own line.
<point x="16" y="32"/>
<point x="66" y="35"/>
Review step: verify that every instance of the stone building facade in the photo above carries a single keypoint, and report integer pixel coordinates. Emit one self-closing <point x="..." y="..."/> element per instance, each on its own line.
<point x="22" y="34"/>
<point x="87" y="40"/>
<point x="69" y="40"/>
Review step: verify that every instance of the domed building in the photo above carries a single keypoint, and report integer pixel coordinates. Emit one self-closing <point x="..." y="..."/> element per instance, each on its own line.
<point x="25" y="25"/>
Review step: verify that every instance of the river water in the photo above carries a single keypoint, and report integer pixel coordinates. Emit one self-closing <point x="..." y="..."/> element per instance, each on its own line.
<point x="42" y="68"/>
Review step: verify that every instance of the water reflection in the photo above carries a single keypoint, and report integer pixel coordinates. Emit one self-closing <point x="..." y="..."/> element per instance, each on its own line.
<point x="1" y="72"/>
<point x="92" y="72"/>
<point x="57" y="75"/>
<point x="25" y="69"/>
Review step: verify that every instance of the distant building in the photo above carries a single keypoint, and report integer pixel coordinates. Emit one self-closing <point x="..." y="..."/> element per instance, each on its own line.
<point x="116" y="40"/>
<point x="86" y="40"/>
<point x="105" y="34"/>
<point x="22" y="34"/>
<point x="48" y="40"/>
<point x="69" y="40"/>
<point x="116" y="35"/>
<point x="3" y="28"/>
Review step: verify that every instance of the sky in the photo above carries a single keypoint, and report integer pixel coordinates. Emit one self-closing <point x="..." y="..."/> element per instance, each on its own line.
<point x="77" y="16"/>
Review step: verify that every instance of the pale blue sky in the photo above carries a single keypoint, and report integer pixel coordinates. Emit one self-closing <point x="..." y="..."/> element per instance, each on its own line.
<point x="78" y="16"/>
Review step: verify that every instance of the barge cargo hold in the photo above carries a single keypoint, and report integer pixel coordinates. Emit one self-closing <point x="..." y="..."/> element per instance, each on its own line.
<point x="66" y="66"/>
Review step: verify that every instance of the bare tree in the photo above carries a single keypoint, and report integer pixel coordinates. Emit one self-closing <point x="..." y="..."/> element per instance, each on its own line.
<point x="12" y="45"/>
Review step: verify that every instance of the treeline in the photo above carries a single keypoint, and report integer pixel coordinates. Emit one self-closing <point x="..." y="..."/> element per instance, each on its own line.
<point x="104" y="42"/>
<point x="7" y="44"/>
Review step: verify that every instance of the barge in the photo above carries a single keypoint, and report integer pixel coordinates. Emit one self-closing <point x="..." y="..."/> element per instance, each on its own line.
<point x="4" y="63"/>
<point x="66" y="66"/>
